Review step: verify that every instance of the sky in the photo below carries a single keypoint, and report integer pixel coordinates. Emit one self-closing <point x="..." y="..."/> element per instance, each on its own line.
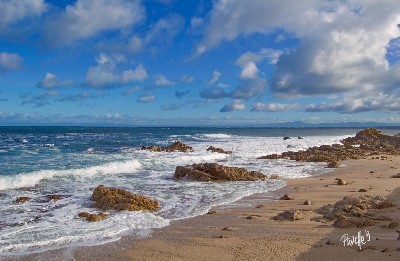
<point x="180" y="62"/>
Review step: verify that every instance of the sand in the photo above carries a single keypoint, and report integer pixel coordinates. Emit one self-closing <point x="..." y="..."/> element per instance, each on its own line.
<point x="251" y="233"/>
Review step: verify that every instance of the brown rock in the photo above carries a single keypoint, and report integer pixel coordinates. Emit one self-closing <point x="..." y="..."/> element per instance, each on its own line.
<point x="176" y="146"/>
<point x="274" y="177"/>
<point x="212" y="212"/>
<point x="218" y="150"/>
<point x="291" y="215"/>
<point x="396" y="176"/>
<point x="119" y="199"/>
<point x="54" y="197"/>
<point x="393" y="225"/>
<point x="341" y="182"/>
<point x="216" y="172"/>
<point x="362" y="190"/>
<point x="93" y="217"/>
<point x="21" y="200"/>
<point x="307" y="202"/>
<point x="286" y="197"/>
<point x="345" y="222"/>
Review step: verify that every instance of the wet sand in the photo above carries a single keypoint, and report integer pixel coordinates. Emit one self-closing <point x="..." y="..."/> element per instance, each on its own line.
<point x="251" y="233"/>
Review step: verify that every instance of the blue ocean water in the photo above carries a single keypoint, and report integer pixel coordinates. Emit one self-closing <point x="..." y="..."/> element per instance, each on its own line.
<point x="71" y="161"/>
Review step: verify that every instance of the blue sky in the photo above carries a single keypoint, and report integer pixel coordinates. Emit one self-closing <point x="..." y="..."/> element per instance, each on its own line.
<point x="177" y="62"/>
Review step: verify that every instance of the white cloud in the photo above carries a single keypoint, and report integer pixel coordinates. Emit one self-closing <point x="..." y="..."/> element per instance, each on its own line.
<point x="139" y="74"/>
<point x="161" y="80"/>
<point x="342" y="44"/>
<point x="87" y="18"/>
<point x="14" y="11"/>
<point x="10" y="61"/>
<point x="165" y="29"/>
<point x="187" y="79"/>
<point x="51" y="81"/>
<point x="107" y="73"/>
<point x="275" y="107"/>
<point x="132" y="90"/>
<point x="233" y="106"/>
<point x="215" y="77"/>
<point x="147" y="97"/>
<point x="249" y="71"/>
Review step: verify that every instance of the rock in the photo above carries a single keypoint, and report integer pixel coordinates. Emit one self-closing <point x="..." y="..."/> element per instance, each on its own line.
<point x="307" y="202"/>
<point x="21" y="200"/>
<point x="93" y="217"/>
<point x="286" y="138"/>
<point x="218" y="150"/>
<point x="341" y="182"/>
<point x="291" y="215"/>
<point x="54" y="197"/>
<point x="396" y="176"/>
<point x="300" y="138"/>
<point x="176" y="146"/>
<point x="333" y="165"/>
<point x="119" y="199"/>
<point x="216" y="172"/>
<point x="212" y="212"/>
<point x="362" y="190"/>
<point x="274" y="177"/>
<point x="345" y="222"/>
<point x="286" y="197"/>
<point x="393" y="225"/>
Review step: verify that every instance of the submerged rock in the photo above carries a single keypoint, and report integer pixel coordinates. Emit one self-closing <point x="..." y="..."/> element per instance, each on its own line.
<point x="176" y="146"/>
<point x="54" y="197"/>
<point x="216" y="172"/>
<point x="218" y="150"/>
<point x="21" y="200"/>
<point x="93" y="217"/>
<point x="119" y="199"/>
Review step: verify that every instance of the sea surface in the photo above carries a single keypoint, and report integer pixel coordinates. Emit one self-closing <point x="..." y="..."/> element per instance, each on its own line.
<point x="72" y="161"/>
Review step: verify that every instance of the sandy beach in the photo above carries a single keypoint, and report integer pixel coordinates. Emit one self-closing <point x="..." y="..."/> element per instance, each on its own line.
<point x="251" y="233"/>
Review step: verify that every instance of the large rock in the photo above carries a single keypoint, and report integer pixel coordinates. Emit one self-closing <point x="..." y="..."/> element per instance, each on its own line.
<point x="219" y="150"/>
<point x="119" y="199"/>
<point x="291" y="215"/>
<point x="176" y="146"/>
<point x="365" y="143"/>
<point x="216" y="172"/>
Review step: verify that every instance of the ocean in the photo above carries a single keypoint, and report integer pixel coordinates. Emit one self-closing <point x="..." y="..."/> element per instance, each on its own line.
<point x="72" y="161"/>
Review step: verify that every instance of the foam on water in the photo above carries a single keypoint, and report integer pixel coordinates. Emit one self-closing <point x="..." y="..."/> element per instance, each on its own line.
<point x="42" y="224"/>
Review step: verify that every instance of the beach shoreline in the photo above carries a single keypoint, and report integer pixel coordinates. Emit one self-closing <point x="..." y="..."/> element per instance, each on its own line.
<point x="251" y="233"/>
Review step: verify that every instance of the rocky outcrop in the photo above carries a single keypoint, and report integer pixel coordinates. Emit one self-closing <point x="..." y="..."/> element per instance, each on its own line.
<point x="366" y="143"/>
<point x="119" y="199"/>
<point x="176" y="146"/>
<point x="396" y="176"/>
<point x="93" y="217"/>
<point x="218" y="150"/>
<point x="355" y="211"/>
<point x="216" y="172"/>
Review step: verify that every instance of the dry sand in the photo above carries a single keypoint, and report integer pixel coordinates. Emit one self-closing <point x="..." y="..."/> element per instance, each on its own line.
<point x="251" y="234"/>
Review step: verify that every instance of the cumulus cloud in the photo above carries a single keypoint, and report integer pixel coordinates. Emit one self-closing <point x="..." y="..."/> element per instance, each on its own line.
<point x="215" y="77"/>
<point x="107" y="74"/>
<point x="249" y="71"/>
<point x="233" y="106"/>
<point x="275" y="107"/>
<point x="87" y="18"/>
<point x="15" y="11"/>
<point x="131" y="91"/>
<point x="10" y="61"/>
<point x="52" y="81"/>
<point x="165" y="29"/>
<point x="171" y="107"/>
<point x="161" y="80"/>
<point x="342" y="44"/>
<point x="245" y="90"/>
<point x="248" y="61"/>
<point x="147" y="97"/>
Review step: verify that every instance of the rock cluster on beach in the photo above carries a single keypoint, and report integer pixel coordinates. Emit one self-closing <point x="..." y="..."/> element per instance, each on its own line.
<point x="216" y="172"/>
<point x="219" y="150"/>
<point x="119" y="199"/>
<point x="355" y="211"/>
<point x="366" y="143"/>
<point x="176" y="146"/>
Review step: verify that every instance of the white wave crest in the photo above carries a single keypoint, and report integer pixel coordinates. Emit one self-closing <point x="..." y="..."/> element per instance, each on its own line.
<point x="31" y="179"/>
